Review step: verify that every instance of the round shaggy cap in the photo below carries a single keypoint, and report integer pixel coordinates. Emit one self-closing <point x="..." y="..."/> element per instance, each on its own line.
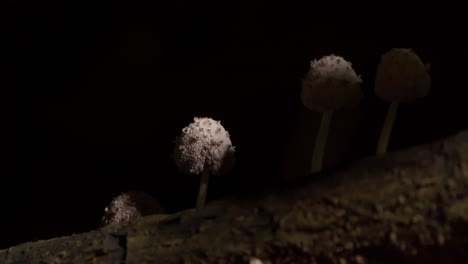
<point x="204" y="144"/>
<point x="130" y="205"/>
<point x="331" y="84"/>
<point x="401" y="77"/>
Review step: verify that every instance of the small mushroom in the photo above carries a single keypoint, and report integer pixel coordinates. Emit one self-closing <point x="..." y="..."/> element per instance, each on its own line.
<point x="401" y="77"/>
<point x="204" y="147"/>
<point x="130" y="205"/>
<point x="330" y="84"/>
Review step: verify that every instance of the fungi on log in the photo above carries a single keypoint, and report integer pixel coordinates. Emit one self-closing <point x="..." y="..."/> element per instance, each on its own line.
<point x="405" y="207"/>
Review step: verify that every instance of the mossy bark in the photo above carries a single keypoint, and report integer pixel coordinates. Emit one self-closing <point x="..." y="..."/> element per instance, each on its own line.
<point x="404" y="207"/>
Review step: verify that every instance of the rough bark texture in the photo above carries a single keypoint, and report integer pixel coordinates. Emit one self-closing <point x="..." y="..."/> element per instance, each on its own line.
<point x="405" y="207"/>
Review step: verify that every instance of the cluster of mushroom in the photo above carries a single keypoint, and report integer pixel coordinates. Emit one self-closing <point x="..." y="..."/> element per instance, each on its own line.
<point x="204" y="147"/>
<point x="332" y="84"/>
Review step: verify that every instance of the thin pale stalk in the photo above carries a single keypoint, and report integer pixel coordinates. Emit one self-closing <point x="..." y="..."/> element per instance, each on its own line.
<point x="203" y="189"/>
<point x="387" y="129"/>
<point x="321" y="142"/>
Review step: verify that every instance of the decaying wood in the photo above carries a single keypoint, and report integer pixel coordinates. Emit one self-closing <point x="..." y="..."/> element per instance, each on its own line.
<point x="406" y="207"/>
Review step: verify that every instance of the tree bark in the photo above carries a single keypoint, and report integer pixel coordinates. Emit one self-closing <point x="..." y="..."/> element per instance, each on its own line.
<point x="409" y="206"/>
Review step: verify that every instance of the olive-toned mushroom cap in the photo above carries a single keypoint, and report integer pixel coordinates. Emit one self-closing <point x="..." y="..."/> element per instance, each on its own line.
<point x="401" y="77"/>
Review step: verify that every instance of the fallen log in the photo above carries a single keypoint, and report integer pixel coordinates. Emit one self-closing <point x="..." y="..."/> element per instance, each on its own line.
<point x="409" y="206"/>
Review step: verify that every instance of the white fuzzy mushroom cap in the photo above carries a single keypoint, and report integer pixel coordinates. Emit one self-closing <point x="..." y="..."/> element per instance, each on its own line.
<point x="202" y="143"/>
<point x="331" y="84"/>
<point x="401" y="77"/>
<point x="130" y="205"/>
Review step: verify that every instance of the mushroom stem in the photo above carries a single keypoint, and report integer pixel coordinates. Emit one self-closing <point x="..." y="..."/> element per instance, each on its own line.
<point x="203" y="189"/>
<point x="387" y="129"/>
<point x="320" y="142"/>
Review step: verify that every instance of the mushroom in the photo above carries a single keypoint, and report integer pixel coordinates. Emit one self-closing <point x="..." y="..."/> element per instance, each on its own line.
<point x="130" y="205"/>
<point x="330" y="84"/>
<point x="204" y="147"/>
<point x="401" y="77"/>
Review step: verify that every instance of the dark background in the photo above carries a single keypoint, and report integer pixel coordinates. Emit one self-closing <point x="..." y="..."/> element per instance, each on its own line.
<point x="102" y="90"/>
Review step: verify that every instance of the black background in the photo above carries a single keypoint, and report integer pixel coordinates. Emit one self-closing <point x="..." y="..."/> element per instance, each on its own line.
<point x="102" y="89"/>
